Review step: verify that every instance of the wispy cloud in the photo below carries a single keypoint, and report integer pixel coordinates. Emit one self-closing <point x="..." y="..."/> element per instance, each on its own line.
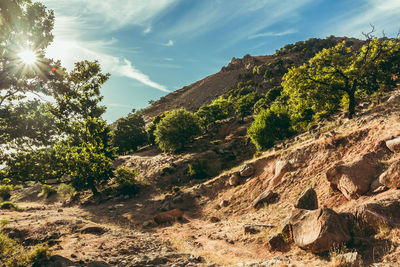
<point x="271" y="34"/>
<point x="69" y="46"/>
<point x="383" y="14"/>
<point x="169" y="43"/>
<point x="112" y="14"/>
<point x="248" y="17"/>
<point x="147" y="30"/>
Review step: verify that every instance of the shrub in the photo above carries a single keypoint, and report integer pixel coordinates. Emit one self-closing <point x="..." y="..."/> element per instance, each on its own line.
<point x="197" y="169"/>
<point x="47" y="191"/>
<point x="5" y="191"/>
<point x="177" y="130"/>
<point x="8" y="205"/>
<point x="66" y="190"/>
<point x="269" y="126"/>
<point x="125" y="179"/>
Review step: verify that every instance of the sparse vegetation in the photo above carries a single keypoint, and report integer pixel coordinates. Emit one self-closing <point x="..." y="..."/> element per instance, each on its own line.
<point x="197" y="169"/>
<point x="125" y="179"/>
<point x="47" y="191"/>
<point x="66" y="190"/>
<point x="8" y="205"/>
<point x="5" y="191"/>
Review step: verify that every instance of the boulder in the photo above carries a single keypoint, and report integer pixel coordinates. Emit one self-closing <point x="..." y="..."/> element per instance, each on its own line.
<point x="394" y="144"/>
<point x="234" y="179"/>
<point x="353" y="179"/>
<point x="168" y="216"/>
<point x="247" y="170"/>
<point x="308" y="200"/>
<point x="381" y="211"/>
<point x="277" y="243"/>
<point x="281" y="168"/>
<point x="318" y="230"/>
<point x="391" y="177"/>
<point x="263" y="197"/>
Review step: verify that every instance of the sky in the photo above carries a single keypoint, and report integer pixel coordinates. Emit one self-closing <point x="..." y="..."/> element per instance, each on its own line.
<point x="154" y="47"/>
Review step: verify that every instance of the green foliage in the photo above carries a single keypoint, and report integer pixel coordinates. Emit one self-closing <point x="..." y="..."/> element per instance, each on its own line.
<point x="5" y="191"/>
<point x="340" y="73"/>
<point x="153" y="126"/>
<point x="125" y="179"/>
<point x="219" y="109"/>
<point x="66" y="190"/>
<point x="13" y="254"/>
<point x="3" y="222"/>
<point x="176" y="130"/>
<point x="197" y="169"/>
<point x="244" y="105"/>
<point x="7" y="205"/>
<point x="269" y="126"/>
<point x="129" y="133"/>
<point x="47" y="191"/>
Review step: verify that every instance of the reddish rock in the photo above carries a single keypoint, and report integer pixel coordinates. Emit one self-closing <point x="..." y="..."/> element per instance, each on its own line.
<point x="281" y="168"/>
<point x="168" y="216"/>
<point x="391" y="177"/>
<point x="247" y="170"/>
<point x="308" y="200"/>
<point x="277" y="243"/>
<point x="263" y="197"/>
<point x="234" y="179"/>
<point x="318" y="230"/>
<point x="353" y="179"/>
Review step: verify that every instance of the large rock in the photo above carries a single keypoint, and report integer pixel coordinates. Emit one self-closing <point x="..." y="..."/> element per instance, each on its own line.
<point x="318" y="230"/>
<point x="247" y="170"/>
<point x="281" y="168"/>
<point x="234" y="179"/>
<point x="263" y="197"/>
<point x="381" y="211"/>
<point x="394" y="144"/>
<point x="277" y="243"/>
<point x="308" y="200"/>
<point x="391" y="177"/>
<point x="353" y="179"/>
<point x="168" y="216"/>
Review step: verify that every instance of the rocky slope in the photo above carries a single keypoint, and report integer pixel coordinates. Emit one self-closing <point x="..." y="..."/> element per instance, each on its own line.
<point x="328" y="197"/>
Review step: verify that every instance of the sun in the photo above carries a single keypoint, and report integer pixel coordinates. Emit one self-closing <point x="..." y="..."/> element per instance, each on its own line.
<point x="28" y="56"/>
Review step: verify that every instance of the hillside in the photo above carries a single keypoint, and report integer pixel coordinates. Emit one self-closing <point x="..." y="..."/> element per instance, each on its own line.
<point x="202" y="92"/>
<point x="221" y="225"/>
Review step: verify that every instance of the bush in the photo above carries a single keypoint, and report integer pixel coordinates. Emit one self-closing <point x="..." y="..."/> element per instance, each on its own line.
<point x="125" y="179"/>
<point x="8" y="205"/>
<point x="47" y="191"/>
<point x="130" y="133"/>
<point x="177" y="130"/>
<point x="66" y="190"/>
<point x="5" y="191"/>
<point x="269" y="126"/>
<point x="197" y="169"/>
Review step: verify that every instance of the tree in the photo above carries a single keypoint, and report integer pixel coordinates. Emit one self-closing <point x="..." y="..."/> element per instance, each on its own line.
<point x="269" y="126"/>
<point x="177" y="129"/>
<point x="340" y="74"/>
<point x="208" y="114"/>
<point x="129" y="133"/>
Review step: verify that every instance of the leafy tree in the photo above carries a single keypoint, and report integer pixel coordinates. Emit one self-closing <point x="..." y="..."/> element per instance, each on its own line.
<point x="177" y="129"/>
<point x="219" y="109"/>
<point x="269" y="126"/>
<point x="244" y="105"/>
<point x="153" y="126"/>
<point x="338" y="73"/>
<point x="129" y="133"/>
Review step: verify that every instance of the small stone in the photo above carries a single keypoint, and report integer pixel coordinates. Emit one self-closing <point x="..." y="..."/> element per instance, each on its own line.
<point x="224" y="203"/>
<point x="247" y="170"/>
<point x="263" y="197"/>
<point x="234" y="179"/>
<point x="308" y="200"/>
<point x="74" y="256"/>
<point x="251" y="229"/>
<point x="60" y="210"/>
<point x="214" y="219"/>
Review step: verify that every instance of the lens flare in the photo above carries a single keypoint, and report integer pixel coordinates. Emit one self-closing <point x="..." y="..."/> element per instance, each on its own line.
<point x="27" y="56"/>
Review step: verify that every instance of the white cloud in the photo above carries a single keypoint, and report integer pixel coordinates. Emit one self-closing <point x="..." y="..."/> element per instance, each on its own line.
<point x="269" y="34"/>
<point x="169" y="43"/>
<point x="383" y="14"/>
<point x="112" y="14"/>
<point x="147" y="30"/>
<point x="69" y="47"/>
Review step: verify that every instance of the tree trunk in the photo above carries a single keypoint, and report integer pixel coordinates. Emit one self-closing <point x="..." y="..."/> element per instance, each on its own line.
<point x="352" y="105"/>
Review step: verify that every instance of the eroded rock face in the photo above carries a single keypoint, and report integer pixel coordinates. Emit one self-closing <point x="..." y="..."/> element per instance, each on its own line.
<point x="168" y="216"/>
<point x="308" y="200"/>
<point x="353" y="179"/>
<point x="381" y="211"/>
<point x="318" y="230"/>
<point x="391" y="177"/>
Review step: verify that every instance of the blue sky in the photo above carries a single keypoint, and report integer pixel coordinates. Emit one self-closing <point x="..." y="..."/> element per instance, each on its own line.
<point x="152" y="47"/>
